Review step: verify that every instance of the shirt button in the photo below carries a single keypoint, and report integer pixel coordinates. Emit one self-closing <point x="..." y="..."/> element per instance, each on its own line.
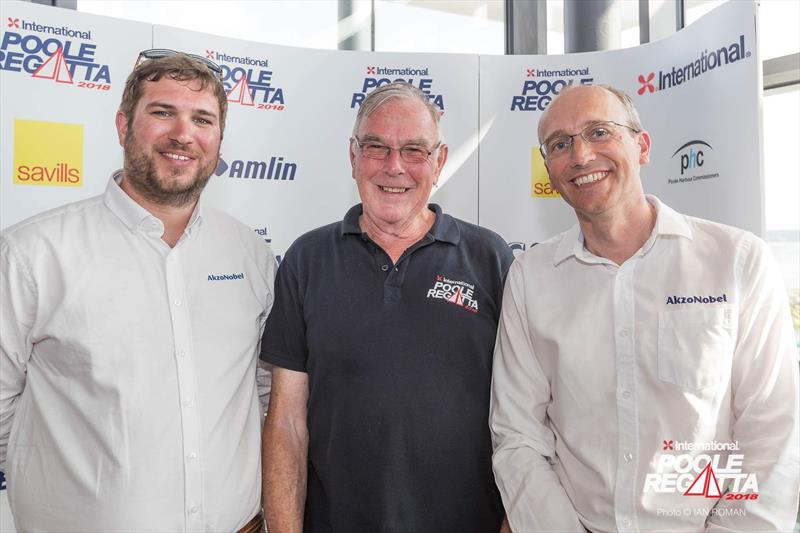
<point x="624" y="333"/>
<point x="181" y="353"/>
<point x="188" y="403"/>
<point x="193" y="455"/>
<point x="177" y="302"/>
<point x="385" y="268"/>
<point x="194" y="509"/>
<point x="626" y="522"/>
<point x="626" y="394"/>
<point x="628" y="457"/>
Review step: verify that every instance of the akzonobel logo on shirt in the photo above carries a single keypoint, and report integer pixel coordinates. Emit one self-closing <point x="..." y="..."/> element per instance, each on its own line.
<point x="694" y="299"/>
<point x="225" y="277"/>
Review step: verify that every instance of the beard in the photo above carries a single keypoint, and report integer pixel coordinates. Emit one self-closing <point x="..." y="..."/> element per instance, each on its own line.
<point x="140" y="173"/>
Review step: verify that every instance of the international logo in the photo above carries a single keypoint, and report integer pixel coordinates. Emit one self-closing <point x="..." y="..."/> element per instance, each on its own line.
<point x="48" y="153"/>
<point x="691" y="158"/>
<point x="460" y="293"/>
<point x="650" y="82"/>
<point x="275" y="168"/>
<point x="712" y="470"/>
<point x="57" y="53"/>
<point x="264" y="234"/>
<point x="540" y="86"/>
<point x="249" y="81"/>
<point x="225" y="277"/>
<point x="540" y="180"/>
<point x="417" y="76"/>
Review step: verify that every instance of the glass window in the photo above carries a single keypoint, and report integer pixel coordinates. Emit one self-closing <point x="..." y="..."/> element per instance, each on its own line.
<point x="629" y="25"/>
<point x="310" y="23"/>
<point x="782" y="187"/>
<point x="443" y="26"/>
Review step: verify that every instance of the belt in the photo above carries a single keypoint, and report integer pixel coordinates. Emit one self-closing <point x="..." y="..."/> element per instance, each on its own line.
<point x="255" y="525"/>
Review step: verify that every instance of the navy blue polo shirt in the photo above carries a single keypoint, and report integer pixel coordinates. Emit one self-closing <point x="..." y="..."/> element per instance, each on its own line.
<point x="399" y="360"/>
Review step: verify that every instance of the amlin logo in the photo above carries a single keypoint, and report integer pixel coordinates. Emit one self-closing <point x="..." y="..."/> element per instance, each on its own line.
<point x="707" y="62"/>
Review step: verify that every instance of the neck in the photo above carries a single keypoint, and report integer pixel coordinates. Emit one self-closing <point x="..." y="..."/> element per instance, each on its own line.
<point x="174" y="218"/>
<point x="394" y="239"/>
<point x="617" y="236"/>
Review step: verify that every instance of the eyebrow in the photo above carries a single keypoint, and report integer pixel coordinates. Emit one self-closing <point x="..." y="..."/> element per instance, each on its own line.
<point x="586" y="124"/>
<point x="170" y="107"/>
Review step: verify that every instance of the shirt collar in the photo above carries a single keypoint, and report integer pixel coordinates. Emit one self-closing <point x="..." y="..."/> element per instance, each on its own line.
<point x="668" y="222"/>
<point x="136" y="217"/>
<point x="444" y="227"/>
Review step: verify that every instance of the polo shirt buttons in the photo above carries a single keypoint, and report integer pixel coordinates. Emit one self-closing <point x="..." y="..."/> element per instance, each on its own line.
<point x="385" y="268"/>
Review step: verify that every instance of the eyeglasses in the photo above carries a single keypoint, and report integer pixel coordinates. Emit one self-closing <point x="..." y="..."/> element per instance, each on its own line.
<point x="597" y="133"/>
<point x="410" y="153"/>
<point x="157" y="53"/>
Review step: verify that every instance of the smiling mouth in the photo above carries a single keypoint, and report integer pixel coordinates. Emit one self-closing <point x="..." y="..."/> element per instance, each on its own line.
<point x="394" y="190"/>
<point x="176" y="157"/>
<point x="590" y="178"/>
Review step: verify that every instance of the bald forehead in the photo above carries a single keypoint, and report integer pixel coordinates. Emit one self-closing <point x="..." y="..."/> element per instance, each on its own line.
<point x="582" y="104"/>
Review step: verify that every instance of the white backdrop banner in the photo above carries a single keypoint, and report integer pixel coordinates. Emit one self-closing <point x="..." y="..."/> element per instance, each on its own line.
<point x="698" y="95"/>
<point x="285" y="167"/>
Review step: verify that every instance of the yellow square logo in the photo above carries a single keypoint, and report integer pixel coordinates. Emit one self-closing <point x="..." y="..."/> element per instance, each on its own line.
<point x="48" y="153"/>
<point x="540" y="182"/>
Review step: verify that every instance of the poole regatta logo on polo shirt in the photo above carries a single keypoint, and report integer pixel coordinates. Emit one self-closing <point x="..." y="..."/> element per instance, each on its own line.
<point x="460" y="293"/>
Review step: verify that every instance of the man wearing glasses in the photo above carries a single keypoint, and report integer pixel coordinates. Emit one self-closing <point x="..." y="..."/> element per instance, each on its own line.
<point x="638" y="348"/>
<point x="382" y="336"/>
<point x="130" y="328"/>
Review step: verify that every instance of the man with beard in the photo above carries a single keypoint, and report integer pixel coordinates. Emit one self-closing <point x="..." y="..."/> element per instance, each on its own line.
<point x="130" y="327"/>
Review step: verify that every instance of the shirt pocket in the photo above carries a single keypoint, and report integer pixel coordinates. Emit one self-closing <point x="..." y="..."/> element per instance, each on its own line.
<point x="695" y="346"/>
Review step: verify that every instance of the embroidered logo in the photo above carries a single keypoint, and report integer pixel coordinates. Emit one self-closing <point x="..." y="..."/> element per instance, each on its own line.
<point x="459" y="293"/>
<point x="675" y="300"/>
<point x="225" y="277"/>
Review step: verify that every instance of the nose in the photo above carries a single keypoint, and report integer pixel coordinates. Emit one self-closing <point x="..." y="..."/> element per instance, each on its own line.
<point x="581" y="152"/>
<point x="181" y="131"/>
<point x="393" y="165"/>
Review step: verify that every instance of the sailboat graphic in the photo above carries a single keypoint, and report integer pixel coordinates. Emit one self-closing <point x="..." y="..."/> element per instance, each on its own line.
<point x="456" y="298"/>
<point x="240" y="93"/>
<point x="705" y="484"/>
<point x="55" y="68"/>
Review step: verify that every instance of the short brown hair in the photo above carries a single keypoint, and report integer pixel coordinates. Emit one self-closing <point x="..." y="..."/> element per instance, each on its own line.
<point x="179" y="67"/>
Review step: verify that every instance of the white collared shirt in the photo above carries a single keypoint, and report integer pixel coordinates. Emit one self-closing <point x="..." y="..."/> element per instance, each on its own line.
<point x="128" y="396"/>
<point x="608" y="380"/>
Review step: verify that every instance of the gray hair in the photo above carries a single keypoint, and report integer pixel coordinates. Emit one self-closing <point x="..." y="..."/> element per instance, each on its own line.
<point x="397" y="89"/>
<point x="622" y="96"/>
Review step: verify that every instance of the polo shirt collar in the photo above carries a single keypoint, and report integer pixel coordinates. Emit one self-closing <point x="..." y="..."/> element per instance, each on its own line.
<point x="668" y="222"/>
<point x="136" y="217"/>
<point x="444" y="227"/>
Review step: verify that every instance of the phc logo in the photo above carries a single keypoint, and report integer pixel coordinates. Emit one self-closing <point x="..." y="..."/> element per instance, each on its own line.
<point x="13" y="22"/>
<point x="695" y="157"/>
<point x="647" y="83"/>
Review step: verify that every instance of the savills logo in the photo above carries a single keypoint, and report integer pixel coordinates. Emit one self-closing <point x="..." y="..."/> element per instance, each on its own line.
<point x="48" y="153"/>
<point x="708" y="61"/>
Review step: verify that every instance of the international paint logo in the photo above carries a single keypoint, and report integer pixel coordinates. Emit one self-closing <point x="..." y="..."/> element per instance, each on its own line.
<point x="416" y="76"/>
<point x="540" y="86"/>
<point x="540" y="181"/>
<point x="460" y="293"/>
<point x="707" y="61"/>
<point x="56" y="53"/>
<point x="249" y="81"/>
<point x="710" y="470"/>
<point x="48" y="153"/>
